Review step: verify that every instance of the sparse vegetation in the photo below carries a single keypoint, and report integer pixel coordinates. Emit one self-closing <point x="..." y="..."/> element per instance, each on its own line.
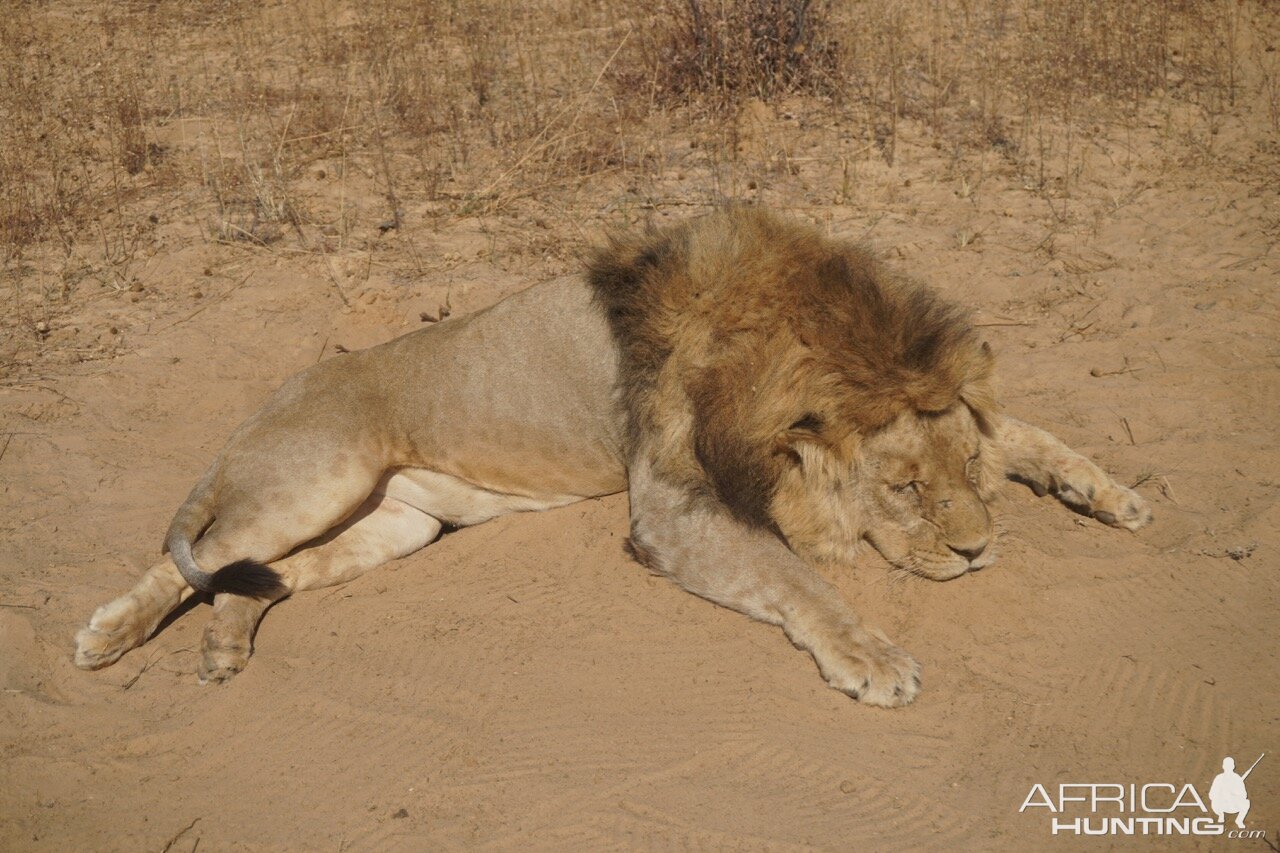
<point x="324" y="126"/>
<point x="724" y="50"/>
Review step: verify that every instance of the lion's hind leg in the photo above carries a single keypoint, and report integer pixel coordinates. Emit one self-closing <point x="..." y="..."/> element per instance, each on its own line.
<point x="126" y="622"/>
<point x="382" y="529"/>
<point x="264" y="507"/>
<point x="1049" y="466"/>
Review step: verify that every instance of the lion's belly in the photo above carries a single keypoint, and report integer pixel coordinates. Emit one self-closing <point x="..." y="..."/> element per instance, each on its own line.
<point x="458" y="502"/>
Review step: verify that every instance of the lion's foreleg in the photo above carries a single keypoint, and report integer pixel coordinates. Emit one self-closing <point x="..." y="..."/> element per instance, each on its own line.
<point x="710" y="554"/>
<point x="381" y="529"/>
<point x="1049" y="466"/>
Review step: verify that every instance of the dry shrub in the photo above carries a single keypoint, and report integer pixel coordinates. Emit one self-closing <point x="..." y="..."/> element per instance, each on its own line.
<point x="726" y="50"/>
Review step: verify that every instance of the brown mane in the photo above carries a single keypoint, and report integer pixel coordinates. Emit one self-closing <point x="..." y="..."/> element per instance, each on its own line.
<point x="740" y="327"/>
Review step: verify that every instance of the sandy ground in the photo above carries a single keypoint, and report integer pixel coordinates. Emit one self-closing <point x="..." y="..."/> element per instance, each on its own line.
<point x="525" y="684"/>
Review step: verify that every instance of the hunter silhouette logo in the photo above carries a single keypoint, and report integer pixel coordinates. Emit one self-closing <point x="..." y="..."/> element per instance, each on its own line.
<point x="1153" y="808"/>
<point x="1227" y="794"/>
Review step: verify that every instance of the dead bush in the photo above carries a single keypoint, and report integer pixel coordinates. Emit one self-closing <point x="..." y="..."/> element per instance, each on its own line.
<point x="726" y="50"/>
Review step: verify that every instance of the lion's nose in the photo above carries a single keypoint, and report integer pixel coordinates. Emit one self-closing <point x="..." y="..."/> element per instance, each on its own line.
<point x="972" y="553"/>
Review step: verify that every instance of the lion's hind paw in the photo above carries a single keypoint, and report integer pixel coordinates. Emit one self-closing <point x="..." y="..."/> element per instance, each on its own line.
<point x="112" y="631"/>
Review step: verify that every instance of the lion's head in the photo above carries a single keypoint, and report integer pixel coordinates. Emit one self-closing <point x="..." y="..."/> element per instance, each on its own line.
<point x="917" y="489"/>
<point x="806" y="387"/>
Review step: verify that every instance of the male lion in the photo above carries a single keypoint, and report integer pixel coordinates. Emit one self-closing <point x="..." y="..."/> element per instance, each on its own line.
<point x="770" y="398"/>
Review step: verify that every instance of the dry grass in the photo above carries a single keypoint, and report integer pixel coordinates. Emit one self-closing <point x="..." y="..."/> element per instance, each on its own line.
<point x="277" y="124"/>
<point x="722" y="50"/>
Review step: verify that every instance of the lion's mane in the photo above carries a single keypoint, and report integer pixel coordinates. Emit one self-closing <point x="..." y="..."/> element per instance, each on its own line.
<point x="741" y="327"/>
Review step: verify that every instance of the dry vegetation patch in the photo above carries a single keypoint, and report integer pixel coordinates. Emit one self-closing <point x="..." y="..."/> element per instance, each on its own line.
<point x="323" y="128"/>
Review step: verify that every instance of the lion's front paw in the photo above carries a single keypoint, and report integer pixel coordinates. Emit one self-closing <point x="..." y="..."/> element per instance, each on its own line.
<point x="1121" y="507"/>
<point x="865" y="665"/>
<point x="1091" y="491"/>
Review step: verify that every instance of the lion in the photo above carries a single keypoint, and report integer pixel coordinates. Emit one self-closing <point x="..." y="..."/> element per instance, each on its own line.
<point x="769" y="397"/>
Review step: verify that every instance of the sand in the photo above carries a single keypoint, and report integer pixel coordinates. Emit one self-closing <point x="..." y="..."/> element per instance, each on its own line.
<point x="525" y="684"/>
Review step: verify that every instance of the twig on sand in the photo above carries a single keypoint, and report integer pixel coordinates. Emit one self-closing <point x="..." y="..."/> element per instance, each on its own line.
<point x="333" y="279"/>
<point x="132" y="681"/>
<point x="1128" y="430"/>
<point x="1073" y="327"/>
<point x="1161" y="481"/>
<point x="155" y="659"/>
<point x="180" y="833"/>
<point x="1144" y="477"/>
<point x="1098" y="371"/>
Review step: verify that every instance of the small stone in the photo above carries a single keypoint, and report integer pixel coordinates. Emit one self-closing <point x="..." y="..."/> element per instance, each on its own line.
<point x="1241" y="552"/>
<point x="402" y="813"/>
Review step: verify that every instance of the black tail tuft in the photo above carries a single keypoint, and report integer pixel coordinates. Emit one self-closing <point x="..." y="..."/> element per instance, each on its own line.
<point x="248" y="577"/>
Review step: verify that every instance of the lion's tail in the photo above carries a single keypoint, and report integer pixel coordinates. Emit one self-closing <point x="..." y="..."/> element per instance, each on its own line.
<point x="243" y="577"/>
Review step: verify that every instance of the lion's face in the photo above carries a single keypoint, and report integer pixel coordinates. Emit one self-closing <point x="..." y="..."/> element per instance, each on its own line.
<point x="917" y="490"/>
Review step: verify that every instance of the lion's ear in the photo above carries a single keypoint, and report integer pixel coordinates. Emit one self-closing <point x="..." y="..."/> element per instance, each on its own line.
<point x="805" y="432"/>
<point x="807" y="444"/>
<point x="809" y="423"/>
<point x="979" y="392"/>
